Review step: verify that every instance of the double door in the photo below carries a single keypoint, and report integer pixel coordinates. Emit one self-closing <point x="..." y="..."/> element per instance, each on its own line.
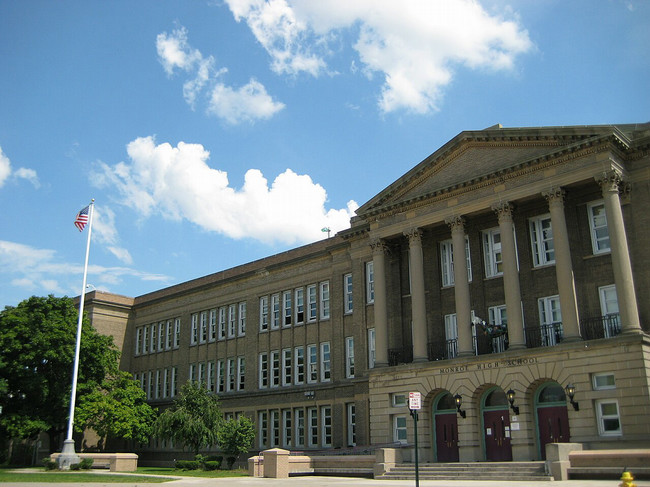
<point x="496" y="430"/>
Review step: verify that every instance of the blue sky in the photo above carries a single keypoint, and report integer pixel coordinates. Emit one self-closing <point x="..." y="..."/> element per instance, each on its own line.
<point x="215" y="132"/>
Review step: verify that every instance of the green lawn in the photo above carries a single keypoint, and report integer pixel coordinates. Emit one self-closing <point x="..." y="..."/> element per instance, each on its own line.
<point x="193" y="473"/>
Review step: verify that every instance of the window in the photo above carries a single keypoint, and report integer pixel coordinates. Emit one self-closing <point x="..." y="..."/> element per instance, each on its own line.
<point x="492" y="252"/>
<point x="194" y="337"/>
<point x="312" y="418"/>
<point x="287" y="366"/>
<point x="324" y="300"/>
<point x="550" y="320"/>
<point x="311" y="302"/>
<point x="609" y="420"/>
<point x="241" y="329"/>
<point x="138" y="340"/>
<point x="211" y="375"/>
<point x="232" y="320"/>
<point x="169" y="333"/>
<point x="264" y="370"/>
<point x="145" y="339"/>
<point x="221" y="376"/>
<point x="603" y="381"/>
<point x="150" y="385"/>
<point x="286" y="308"/>
<point x="349" y="357"/>
<point x="263" y="427"/>
<point x="152" y="347"/>
<point x="608" y="300"/>
<point x="299" y="415"/>
<point x="158" y="384"/>
<point x="275" y="368"/>
<point x="399" y="429"/>
<point x="222" y="323"/>
<point x="451" y="335"/>
<point x="230" y="371"/>
<point x="347" y="294"/>
<point x="174" y="386"/>
<point x="399" y="400"/>
<point x="287" y="428"/>
<point x="264" y="313"/>
<point x="351" y="424"/>
<point x="299" y="376"/>
<point x="541" y="239"/>
<point x="213" y="325"/>
<point x="497" y="316"/>
<point x="275" y="312"/>
<point x="598" y="226"/>
<point x="166" y="384"/>
<point x="177" y="332"/>
<point x="275" y="428"/>
<point x="201" y="374"/>
<point x="370" y="282"/>
<point x="371" y="348"/>
<point x="326" y="425"/>
<point x="300" y="306"/>
<point x="447" y="262"/>
<point x="203" y="336"/>
<point x="325" y="362"/>
<point x="241" y="373"/>
<point x="161" y="336"/>
<point x="312" y="364"/>
<point x="192" y="373"/>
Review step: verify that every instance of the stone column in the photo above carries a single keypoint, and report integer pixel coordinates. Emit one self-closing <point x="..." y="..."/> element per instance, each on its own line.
<point x="510" y="277"/>
<point x="461" y="287"/>
<point x="418" y="303"/>
<point x="621" y="264"/>
<point x="381" y="310"/>
<point x="563" y="266"/>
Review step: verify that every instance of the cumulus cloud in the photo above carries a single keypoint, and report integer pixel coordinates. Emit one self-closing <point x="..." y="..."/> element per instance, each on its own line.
<point x="248" y="103"/>
<point x="6" y="172"/>
<point x="177" y="183"/>
<point x="105" y="232"/>
<point x="41" y="271"/>
<point x="415" y="45"/>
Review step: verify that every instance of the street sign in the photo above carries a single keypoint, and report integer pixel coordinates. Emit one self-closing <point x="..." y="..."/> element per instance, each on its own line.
<point x="415" y="400"/>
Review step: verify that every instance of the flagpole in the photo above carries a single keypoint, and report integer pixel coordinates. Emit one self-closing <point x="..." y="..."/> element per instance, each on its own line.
<point x="68" y="455"/>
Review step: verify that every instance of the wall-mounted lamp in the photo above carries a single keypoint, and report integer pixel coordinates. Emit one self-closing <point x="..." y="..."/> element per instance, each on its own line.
<point x="309" y="394"/>
<point x="571" y="392"/>
<point x="459" y="402"/>
<point x="511" y="399"/>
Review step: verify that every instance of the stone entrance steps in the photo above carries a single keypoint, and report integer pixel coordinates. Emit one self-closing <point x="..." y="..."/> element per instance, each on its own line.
<point x="522" y="471"/>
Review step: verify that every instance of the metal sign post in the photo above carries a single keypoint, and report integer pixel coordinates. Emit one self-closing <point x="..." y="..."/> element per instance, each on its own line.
<point x="415" y="404"/>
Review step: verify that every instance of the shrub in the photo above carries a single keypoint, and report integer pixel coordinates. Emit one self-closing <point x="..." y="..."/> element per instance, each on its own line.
<point x="49" y="464"/>
<point x="211" y="465"/>
<point x="86" y="463"/>
<point x="75" y="466"/>
<point x="187" y="465"/>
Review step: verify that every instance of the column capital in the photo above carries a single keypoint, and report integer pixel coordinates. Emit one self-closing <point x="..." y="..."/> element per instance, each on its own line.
<point x="414" y="236"/>
<point x="610" y="181"/>
<point x="554" y="195"/>
<point x="455" y="223"/>
<point x="378" y="246"/>
<point x="504" y="210"/>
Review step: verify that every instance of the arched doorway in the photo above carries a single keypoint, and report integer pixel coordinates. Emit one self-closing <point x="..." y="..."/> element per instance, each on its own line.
<point x="552" y="416"/>
<point x="445" y="424"/>
<point x="496" y="426"/>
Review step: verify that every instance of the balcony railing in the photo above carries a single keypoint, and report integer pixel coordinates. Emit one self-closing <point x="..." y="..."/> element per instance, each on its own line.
<point x="398" y="356"/>
<point x="543" y="336"/>
<point x="600" y="326"/>
<point x="443" y="350"/>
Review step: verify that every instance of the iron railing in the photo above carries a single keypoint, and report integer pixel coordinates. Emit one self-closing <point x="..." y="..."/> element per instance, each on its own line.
<point x="543" y="336"/>
<point x="600" y="326"/>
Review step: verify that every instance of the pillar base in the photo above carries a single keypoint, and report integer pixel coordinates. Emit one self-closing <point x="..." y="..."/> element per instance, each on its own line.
<point x="68" y="455"/>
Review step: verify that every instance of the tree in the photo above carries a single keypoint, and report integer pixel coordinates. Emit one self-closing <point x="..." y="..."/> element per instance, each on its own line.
<point x="193" y="420"/>
<point x="37" y="346"/>
<point x="236" y="437"/>
<point x="117" y="409"/>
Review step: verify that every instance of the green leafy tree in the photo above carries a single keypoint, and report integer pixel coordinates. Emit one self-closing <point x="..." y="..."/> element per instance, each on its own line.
<point x="236" y="437"/>
<point x="37" y="346"/>
<point x="193" y="420"/>
<point x="117" y="409"/>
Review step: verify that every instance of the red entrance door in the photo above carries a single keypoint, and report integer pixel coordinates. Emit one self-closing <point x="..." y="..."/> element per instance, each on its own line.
<point x="496" y="426"/>
<point x="447" y="437"/>
<point x="553" y="423"/>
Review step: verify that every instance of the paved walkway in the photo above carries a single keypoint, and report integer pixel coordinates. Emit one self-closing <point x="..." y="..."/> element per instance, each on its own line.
<point x="313" y="481"/>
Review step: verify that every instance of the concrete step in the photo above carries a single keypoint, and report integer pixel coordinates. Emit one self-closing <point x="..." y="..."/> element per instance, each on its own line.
<point x="521" y="471"/>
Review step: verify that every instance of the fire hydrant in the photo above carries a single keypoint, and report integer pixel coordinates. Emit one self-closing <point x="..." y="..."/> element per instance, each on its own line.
<point x="627" y="480"/>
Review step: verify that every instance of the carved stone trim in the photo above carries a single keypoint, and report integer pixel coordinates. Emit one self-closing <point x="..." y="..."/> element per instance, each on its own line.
<point x="414" y="236"/>
<point x="378" y="246"/>
<point x="503" y="210"/>
<point x="610" y="181"/>
<point x="555" y="196"/>
<point x="455" y="223"/>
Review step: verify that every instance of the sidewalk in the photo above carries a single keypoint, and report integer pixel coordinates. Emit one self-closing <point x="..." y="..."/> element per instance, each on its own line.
<point x="314" y="481"/>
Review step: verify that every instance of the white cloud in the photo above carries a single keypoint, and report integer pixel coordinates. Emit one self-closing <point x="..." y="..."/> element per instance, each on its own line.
<point x="178" y="183"/>
<point x="41" y="271"/>
<point x="105" y="233"/>
<point x="21" y="173"/>
<point x="248" y="103"/>
<point x="415" y="45"/>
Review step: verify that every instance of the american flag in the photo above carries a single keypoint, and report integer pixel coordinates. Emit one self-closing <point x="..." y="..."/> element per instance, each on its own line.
<point x="82" y="218"/>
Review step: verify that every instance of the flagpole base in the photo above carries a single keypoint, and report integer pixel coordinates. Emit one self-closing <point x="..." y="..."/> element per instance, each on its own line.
<point x="68" y="455"/>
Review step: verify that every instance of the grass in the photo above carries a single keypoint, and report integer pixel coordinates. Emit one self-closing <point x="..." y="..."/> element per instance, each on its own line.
<point x="239" y="472"/>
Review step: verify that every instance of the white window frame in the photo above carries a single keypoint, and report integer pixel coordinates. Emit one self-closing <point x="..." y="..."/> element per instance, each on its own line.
<point x="287" y="366"/>
<point x="608" y="299"/>
<point x="595" y="378"/>
<point x="194" y="336"/>
<point x="152" y="344"/>
<point x="212" y="328"/>
<point x="447" y="262"/>
<point x="312" y="426"/>
<point x="287" y="428"/>
<point x="542" y="241"/>
<point x="451" y="333"/>
<point x="169" y="334"/>
<point x="602" y="418"/>
<point x="398" y="400"/>
<point x="264" y="314"/>
<point x="287" y="309"/>
<point x="275" y="311"/>
<point x="497" y="315"/>
<point x="400" y="430"/>
<point x="370" y="282"/>
<point x="492" y="252"/>
<point x="274" y="359"/>
<point x="299" y="420"/>
<point x="192" y="373"/>
<point x="348" y="304"/>
<point x="174" y="379"/>
<point x="351" y="418"/>
<point x="177" y="333"/>
<point x="221" y="376"/>
<point x="203" y="336"/>
<point x="299" y="365"/>
<point x="232" y="320"/>
<point x="326" y="426"/>
<point x="372" y="351"/>
<point x="324" y="294"/>
<point x="263" y="379"/>
<point x="200" y="377"/>
<point x="349" y="357"/>
<point x="231" y="372"/>
<point x="263" y="425"/>
<point x="241" y="373"/>
<point x="221" y="324"/>
<point x="549" y="312"/>
<point x="210" y="383"/>
<point x="325" y="362"/>
<point x="312" y="363"/>
<point x="275" y="427"/>
<point x="300" y="305"/>
<point x="145" y="340"/>
<point x="161" y="336"/>
<point x="598" y="229"/>
<point x="312" y="303"/>
<point x="138" y="340"/>
<point x="241" y="328"/>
